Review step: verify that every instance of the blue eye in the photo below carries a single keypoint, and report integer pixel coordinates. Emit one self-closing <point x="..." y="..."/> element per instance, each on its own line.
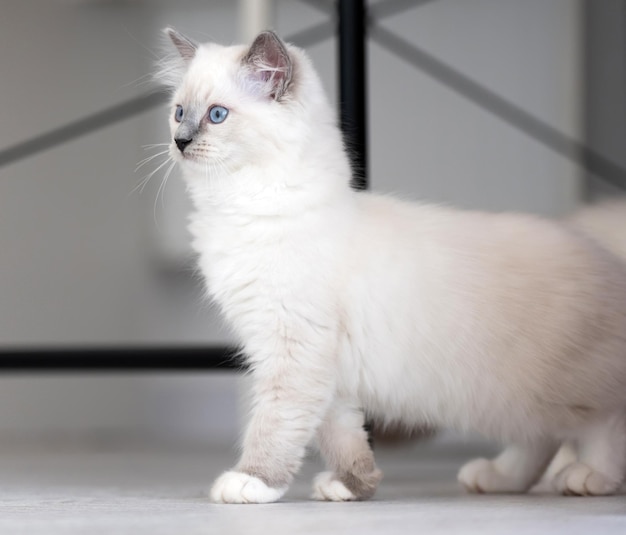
<point x="178" y="114"/>
<point x="217" y="114"/>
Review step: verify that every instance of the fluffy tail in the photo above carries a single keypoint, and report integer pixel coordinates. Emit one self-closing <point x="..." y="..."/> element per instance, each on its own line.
<point x="605" y="222"/>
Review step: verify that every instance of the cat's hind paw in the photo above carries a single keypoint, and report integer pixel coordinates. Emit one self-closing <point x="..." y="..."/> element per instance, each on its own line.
<point x="326" y="487"/>
<point x="481" y="476"/>
<point x="238" y="487"/>
<point x="578" y="479"/>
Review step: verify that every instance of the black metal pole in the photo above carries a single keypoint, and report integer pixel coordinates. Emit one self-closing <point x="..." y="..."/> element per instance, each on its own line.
<point x="353" y="96"/>
<point x="353" y="85"/>
<point x="119" y="359"/>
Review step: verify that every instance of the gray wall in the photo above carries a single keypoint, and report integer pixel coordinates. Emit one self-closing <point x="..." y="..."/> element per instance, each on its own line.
<point x="605" y="95"/>
<point x="87" y="261"/>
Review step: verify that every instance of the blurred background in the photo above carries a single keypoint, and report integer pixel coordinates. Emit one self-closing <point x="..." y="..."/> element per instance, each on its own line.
<point x="497" y="105"/>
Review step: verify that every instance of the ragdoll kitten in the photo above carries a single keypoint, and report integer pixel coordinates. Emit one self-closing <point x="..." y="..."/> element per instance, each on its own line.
<point x="355" y="304"/>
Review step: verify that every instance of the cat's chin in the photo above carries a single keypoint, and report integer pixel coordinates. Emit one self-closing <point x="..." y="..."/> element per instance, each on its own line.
<point x="191" y="163"/>
<point x="195" y="170"/>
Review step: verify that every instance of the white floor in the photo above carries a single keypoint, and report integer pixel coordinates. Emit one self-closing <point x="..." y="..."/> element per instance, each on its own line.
<point x="115" y="488"/>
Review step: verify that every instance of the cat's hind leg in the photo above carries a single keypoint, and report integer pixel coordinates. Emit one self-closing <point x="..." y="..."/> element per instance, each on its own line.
<point x="515" y="470"/>
<point x="601" y="463"/>
<point x="565" y="456"/>
<point x="343" y="443"/>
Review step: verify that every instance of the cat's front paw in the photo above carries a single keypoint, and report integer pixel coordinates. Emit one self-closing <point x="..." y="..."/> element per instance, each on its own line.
<point x="578" y="479"/>
<point x="482" y="476"/>
<point x="326" y="487"/>
<point x="238" y="487"/>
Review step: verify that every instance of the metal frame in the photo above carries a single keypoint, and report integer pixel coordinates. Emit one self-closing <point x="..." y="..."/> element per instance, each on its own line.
<point x="354" y="23"/>
<point x="121" y="358"/>
<point x="590" y="160"/>
<point x="353" y="85"/>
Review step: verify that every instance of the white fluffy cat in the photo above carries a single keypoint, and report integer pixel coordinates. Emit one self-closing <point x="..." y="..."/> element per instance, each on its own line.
<point x="355" y="304"/>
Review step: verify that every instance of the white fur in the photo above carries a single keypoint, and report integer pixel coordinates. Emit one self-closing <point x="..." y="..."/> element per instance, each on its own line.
<point x="235" y="487"/>
<point x="327" y="488"/>
<point x="355" y="303"/>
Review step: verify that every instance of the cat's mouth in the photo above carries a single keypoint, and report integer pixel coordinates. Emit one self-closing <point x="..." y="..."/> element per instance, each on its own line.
<point x="194" y="162"/>
<point x="189" y="157"/>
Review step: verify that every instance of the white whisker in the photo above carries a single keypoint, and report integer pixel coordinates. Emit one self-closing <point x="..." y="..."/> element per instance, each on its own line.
<point x="147" y="178"/>
<point x="167" y="175"/>
<point x="161" y="191"/>
<point x="153" y="145"/>
<point x="149" y="159"/>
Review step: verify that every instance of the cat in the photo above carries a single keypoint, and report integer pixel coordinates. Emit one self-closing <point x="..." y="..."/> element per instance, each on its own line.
<point x="353" y="304"/>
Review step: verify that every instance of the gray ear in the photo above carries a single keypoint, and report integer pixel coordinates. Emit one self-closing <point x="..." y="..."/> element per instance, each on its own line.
<point x="269" y="60"/>
<point x="185" y="46"/>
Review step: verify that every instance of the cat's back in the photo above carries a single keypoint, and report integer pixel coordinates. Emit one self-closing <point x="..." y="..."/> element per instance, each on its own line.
<point x="501" y="257"/>
<point x="496" y="243"/>
<point x="494" y="266"/>
<point x="508" y="303"/>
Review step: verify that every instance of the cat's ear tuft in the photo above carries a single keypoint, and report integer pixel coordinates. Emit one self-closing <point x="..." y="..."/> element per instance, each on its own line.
<point x="185" y="46"/>
<point x="270" y="64"/>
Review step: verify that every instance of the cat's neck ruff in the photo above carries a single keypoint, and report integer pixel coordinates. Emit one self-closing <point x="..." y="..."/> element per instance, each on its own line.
<point x="282" y="189"/>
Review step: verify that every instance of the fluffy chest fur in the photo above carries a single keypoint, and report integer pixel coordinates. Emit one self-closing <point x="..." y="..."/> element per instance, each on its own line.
<point x="274" y="276"/>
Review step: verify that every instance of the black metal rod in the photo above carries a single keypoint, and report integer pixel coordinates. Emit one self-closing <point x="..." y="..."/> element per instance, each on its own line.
<point x="119" y="359"/>
<point x="353" y="85"/>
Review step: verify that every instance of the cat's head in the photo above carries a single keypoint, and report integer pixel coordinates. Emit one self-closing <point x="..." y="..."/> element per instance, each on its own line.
<point x="241" y="105"/>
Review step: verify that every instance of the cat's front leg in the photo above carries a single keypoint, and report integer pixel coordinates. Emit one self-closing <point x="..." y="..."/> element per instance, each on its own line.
<point x="291" y="396"/>
<point x="343" y="443"/>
